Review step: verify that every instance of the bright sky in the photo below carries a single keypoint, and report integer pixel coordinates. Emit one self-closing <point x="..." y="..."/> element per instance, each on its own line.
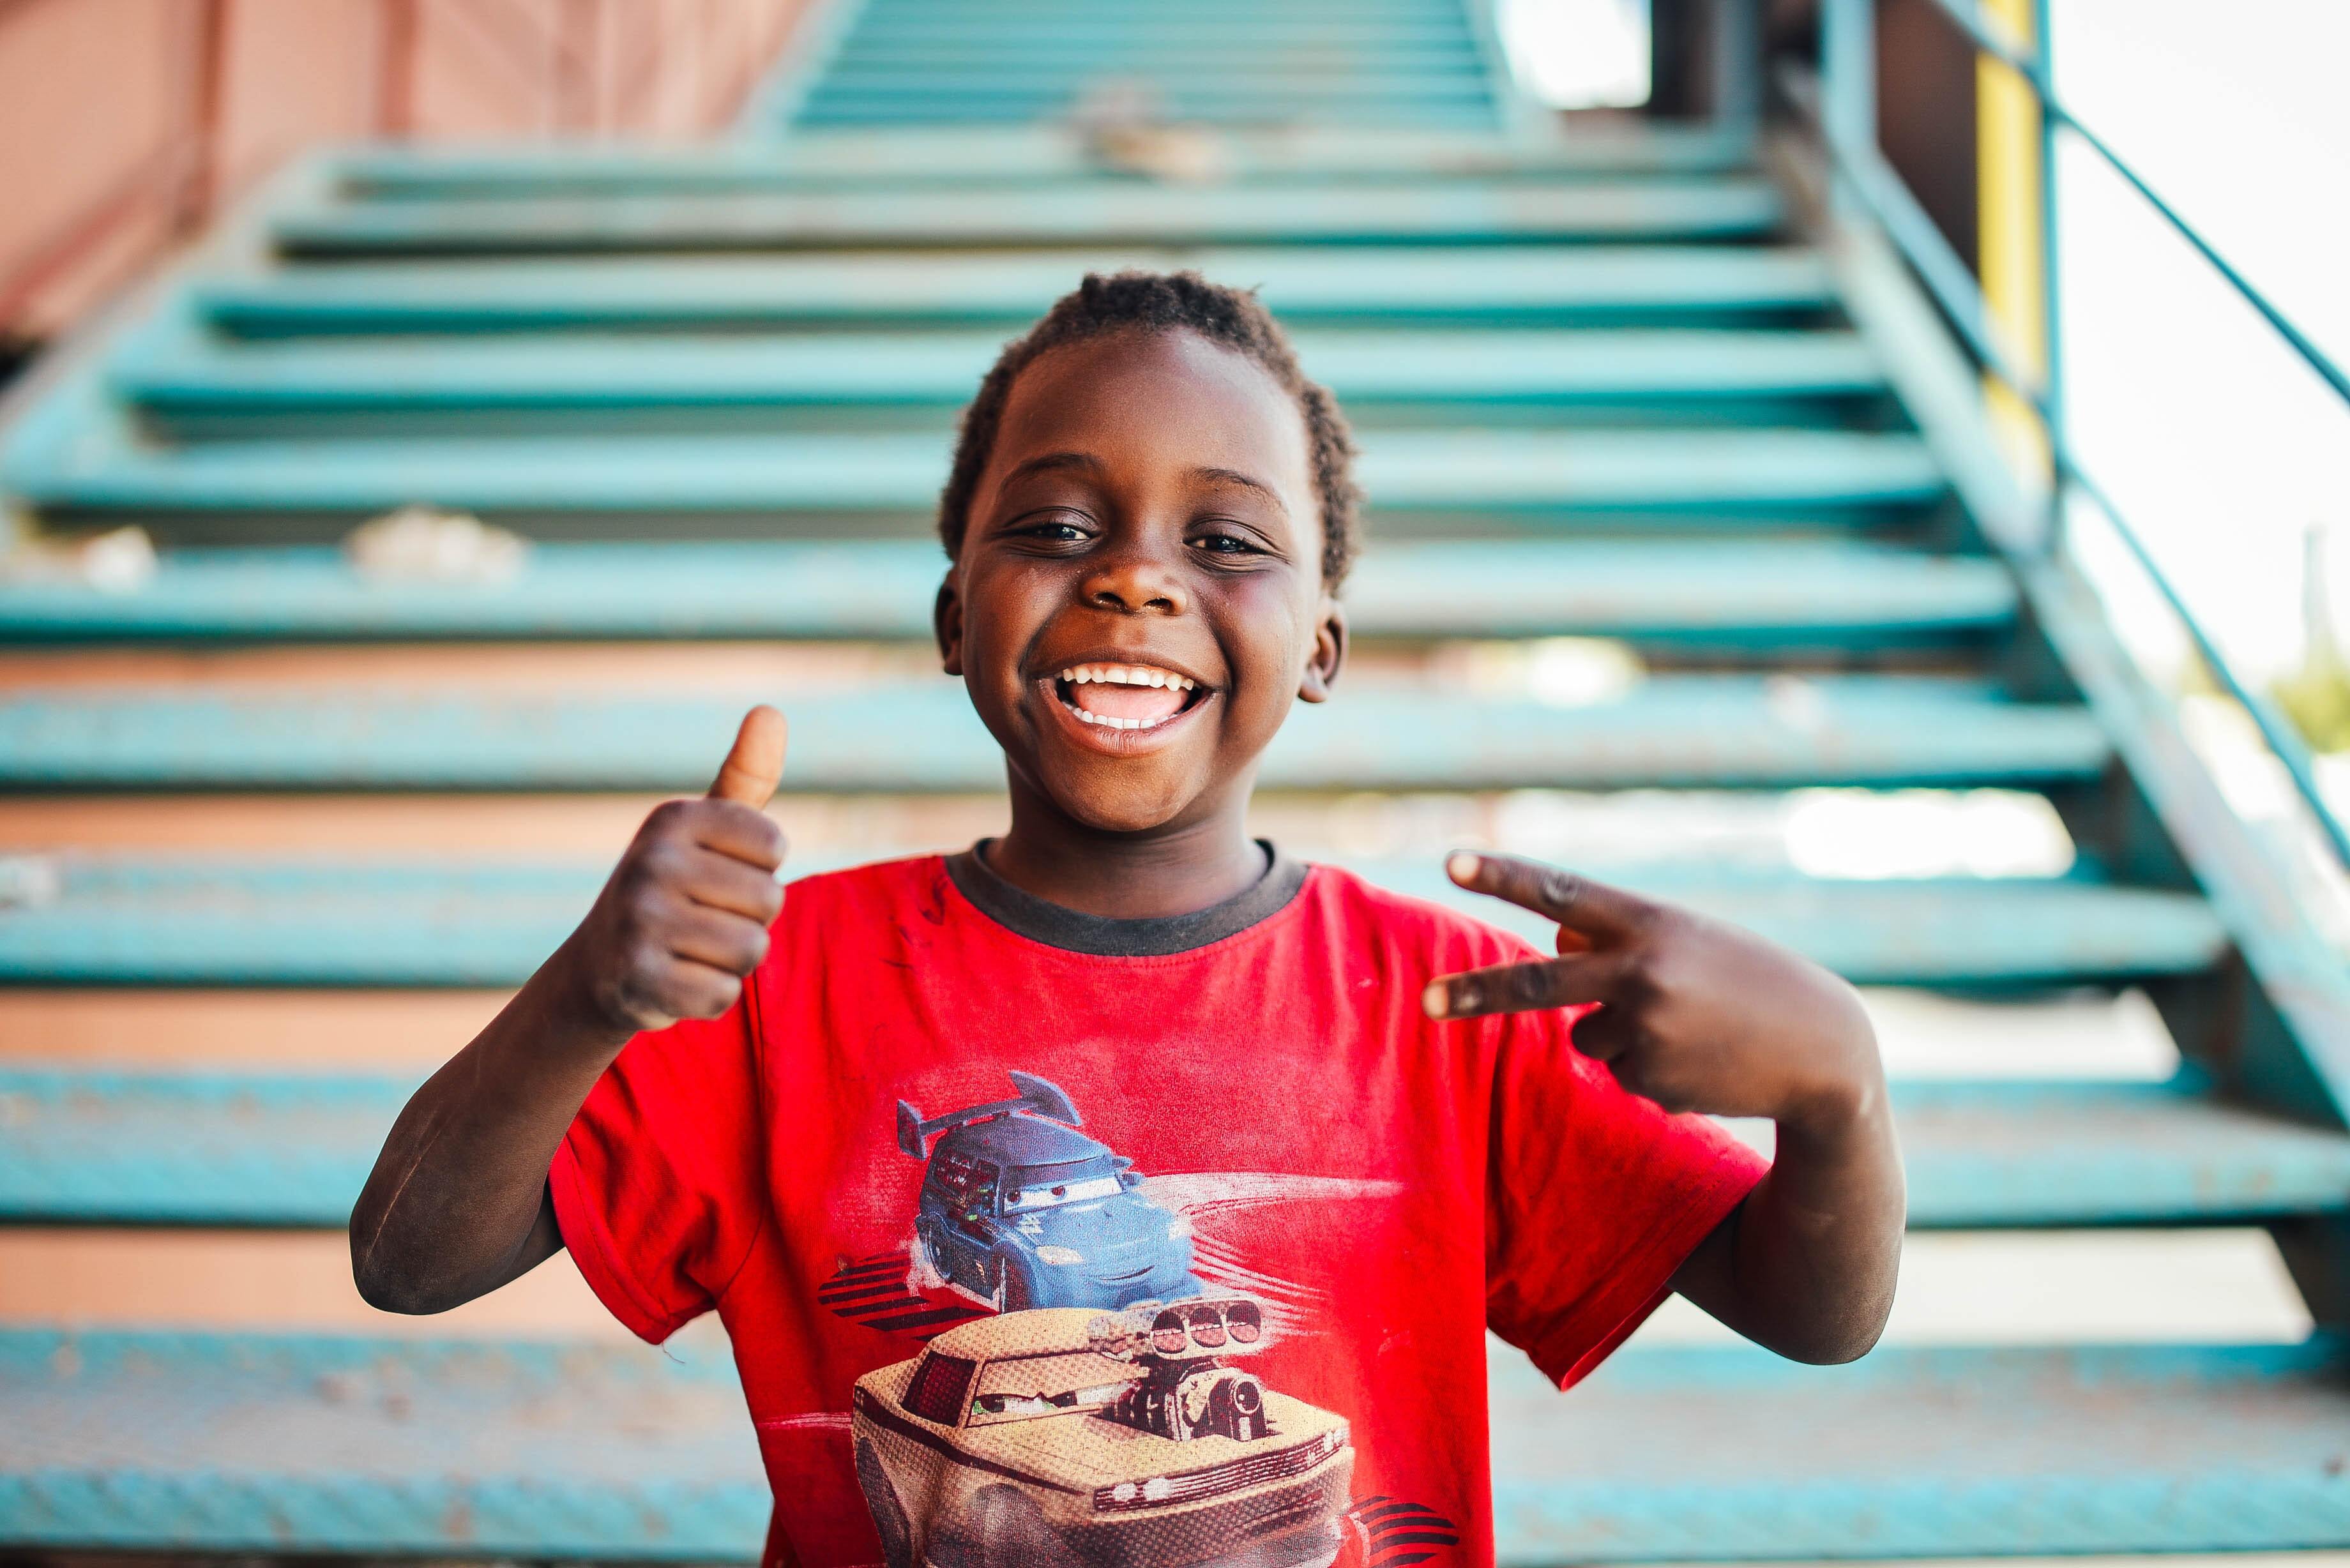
<point x="2219" y="442"/>
<point x="2222" y="447"/>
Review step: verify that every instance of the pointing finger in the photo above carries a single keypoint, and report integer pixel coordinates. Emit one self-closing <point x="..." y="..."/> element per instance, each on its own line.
<point x="1523" y="987"/>
<point x="1588" y="909"/>
<point x="751" y="770"/>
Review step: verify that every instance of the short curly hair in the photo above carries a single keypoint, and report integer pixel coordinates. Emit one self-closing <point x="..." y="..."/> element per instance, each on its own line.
<point x="1169" y="302"/>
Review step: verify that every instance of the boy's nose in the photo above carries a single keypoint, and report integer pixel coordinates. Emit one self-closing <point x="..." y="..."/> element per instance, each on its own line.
<point x="1134" y="583"/>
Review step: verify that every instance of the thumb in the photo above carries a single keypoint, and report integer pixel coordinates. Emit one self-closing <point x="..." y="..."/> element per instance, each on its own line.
<point x="751" y="770"/>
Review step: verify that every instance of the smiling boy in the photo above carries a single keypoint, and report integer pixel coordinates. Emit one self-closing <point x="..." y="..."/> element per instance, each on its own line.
<point x="1212" y="1284"/>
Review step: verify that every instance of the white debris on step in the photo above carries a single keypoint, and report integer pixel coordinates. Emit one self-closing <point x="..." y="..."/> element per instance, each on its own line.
<point x="28" y="881"/>
<point x="1125" y="128"/>
<point x="118" y="561"/>
<point x="425" y="544"/>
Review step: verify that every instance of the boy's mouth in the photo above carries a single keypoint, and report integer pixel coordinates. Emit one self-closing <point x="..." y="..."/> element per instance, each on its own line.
<point x="1118" y="697"/>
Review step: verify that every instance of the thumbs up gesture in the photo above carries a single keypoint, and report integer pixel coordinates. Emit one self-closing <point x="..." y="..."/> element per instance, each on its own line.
<point x="1694" y="1013"/>
<point x="684" y="916"/>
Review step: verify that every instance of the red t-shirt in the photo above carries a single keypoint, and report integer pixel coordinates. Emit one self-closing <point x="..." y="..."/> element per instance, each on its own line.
<point x="1031" y="1255"/>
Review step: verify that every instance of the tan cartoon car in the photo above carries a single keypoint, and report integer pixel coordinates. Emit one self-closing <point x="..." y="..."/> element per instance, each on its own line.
<point x="1063" y="1435"/>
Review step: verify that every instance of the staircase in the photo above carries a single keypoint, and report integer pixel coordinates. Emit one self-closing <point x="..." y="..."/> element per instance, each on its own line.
<point x="1682" y="504"/>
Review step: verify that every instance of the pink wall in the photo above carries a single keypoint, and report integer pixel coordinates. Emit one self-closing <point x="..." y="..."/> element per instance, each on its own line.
<point x="126" y="124"/>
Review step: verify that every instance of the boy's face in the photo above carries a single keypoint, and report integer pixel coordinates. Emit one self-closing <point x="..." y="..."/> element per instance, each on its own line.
<point x="1149" y="507"/>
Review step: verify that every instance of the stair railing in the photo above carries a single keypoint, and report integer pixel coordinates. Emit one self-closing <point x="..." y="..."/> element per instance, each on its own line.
<point x="1841" y="104"/>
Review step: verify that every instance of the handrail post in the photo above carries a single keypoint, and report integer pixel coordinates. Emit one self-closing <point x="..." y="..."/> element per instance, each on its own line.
<point x="1848" y="84"/>
<point x="2052" y="323"/>
<point x="1737" y="62"/>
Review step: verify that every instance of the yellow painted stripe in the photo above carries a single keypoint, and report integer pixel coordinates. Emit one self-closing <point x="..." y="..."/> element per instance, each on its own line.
<point x="2008" y="176"/>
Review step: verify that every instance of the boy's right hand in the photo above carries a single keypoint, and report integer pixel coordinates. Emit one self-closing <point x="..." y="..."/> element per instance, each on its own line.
<point x="684" y="916"/>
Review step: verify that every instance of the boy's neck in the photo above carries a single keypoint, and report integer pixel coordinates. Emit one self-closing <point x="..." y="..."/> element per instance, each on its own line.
<point x="1176" y="870"/>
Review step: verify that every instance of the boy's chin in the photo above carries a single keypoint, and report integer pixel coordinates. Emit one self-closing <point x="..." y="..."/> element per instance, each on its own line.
<point x="1110" y="807"/>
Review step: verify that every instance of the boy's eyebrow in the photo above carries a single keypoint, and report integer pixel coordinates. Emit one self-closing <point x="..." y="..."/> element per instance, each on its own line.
<point x="1056" y="460"/>
<point x="1235" y="476"/>
<point x="1088" y="463"/>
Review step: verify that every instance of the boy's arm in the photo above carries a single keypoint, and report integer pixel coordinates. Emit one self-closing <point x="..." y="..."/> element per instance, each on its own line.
<point x="1700" y="1016"/>
<point x="457" y="1204"/>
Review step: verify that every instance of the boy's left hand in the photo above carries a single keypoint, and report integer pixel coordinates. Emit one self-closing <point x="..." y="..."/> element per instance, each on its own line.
<point x="1694" y="1015"/>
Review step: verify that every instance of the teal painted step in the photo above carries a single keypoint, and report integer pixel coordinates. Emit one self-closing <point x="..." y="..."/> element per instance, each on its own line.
<point x="59" y="462"/>
<point x="292" y="1150"/>
<point x="1799" y="592"/>
<point x="1503" y="284"/>
<point x="1216" y="109"/>
<point x="1259" y="113"/>
<point x="1733" y="1454"/>
<point x="194" y="1442"/>
<point x="1456" y="212"/>
<point x="1235" y="31"/>
<point x="478" y="1449"/>
<point x="1024" y="156"/>
<point x="948" y="100"/>
<point x="1298" y="85"/>
<point x="372" y="922"/>
<point x="173" y="374"/>
<point x="1365" y="66"/>
<point x="1697" y="731"/>
<point x="1021" y="16"/>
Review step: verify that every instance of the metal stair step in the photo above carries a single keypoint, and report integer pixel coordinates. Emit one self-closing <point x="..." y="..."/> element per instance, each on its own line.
<point x="1300" y="84"/>
<point x="1748" y="594"/>
<point x="292" y="1150"/>
<point x="966" y="93"/>
<point x="1253" y="112"/>
<point x="249" y="1443"/>
<point x="1392" y="285"/>
<point x="1730" y="1454"/>
<point x="1035" y="155"/>
<point x="1671" y="729"/>
<point x="1366" y="67"/>
<point x="173" y="374"/>
<point x="372" y="920"/>
<point x="1444" y="105"/>
<point x="1465" y="473"/>
<point x="1454" y="211"/>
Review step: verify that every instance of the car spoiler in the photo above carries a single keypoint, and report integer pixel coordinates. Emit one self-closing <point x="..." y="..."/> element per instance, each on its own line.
<point x="1037" y="1095"/>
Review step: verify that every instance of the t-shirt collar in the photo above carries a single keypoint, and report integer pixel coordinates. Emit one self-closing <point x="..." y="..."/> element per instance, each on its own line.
<point x="1074" y="930"/>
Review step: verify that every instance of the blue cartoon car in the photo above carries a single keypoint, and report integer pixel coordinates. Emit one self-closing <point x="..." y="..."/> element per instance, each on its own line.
<point x="1020" y="1209"/>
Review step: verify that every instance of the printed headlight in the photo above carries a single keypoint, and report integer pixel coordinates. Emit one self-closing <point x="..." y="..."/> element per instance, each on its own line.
<point x="1135" y="1494"/>
<point x="1065" y="1256"/>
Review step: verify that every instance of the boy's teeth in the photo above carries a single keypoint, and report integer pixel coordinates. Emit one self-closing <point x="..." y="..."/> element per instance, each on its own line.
<point x="1125" y="675"/>
<point x="1107" y="722"/>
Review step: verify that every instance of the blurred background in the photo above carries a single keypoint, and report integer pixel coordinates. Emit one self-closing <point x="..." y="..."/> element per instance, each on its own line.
<point x="1869" y="468"/>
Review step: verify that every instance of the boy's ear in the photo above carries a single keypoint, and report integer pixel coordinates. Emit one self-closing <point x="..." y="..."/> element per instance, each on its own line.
<point x="946" y="625"/>
<point x="1329" y="655"/>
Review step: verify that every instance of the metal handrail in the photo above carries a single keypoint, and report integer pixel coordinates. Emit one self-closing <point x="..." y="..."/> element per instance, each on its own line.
<point x="1834" y="109"/>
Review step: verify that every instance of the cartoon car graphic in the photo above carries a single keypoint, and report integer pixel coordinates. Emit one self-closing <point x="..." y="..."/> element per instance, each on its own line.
<point x="1060" y="1438"/>
<point x="1020" y="1209"/>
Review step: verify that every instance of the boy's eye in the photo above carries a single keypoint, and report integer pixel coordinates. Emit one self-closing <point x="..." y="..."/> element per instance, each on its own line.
<point x="1223" y="544"/>
<point x="1055" y="531"/>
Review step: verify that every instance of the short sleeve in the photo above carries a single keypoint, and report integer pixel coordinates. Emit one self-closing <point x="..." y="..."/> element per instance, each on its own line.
<point x="1595" y="1197"/>
<point x="658" y="1186"/>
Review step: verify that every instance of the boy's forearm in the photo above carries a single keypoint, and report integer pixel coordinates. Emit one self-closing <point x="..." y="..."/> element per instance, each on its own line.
<point x="454" y="1206"/>
<point x="1807" y="1264"/>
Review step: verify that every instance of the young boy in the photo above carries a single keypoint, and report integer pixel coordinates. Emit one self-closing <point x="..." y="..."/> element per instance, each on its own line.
<point x="1119" y="1191"/>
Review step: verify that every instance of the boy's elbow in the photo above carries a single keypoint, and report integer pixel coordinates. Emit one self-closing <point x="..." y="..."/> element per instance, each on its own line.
<point x="1839" y="1351"/>
<point x="388" y="1288"/>
<point x="396" y="1295"/>
<point x="1835" y="1344"/>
